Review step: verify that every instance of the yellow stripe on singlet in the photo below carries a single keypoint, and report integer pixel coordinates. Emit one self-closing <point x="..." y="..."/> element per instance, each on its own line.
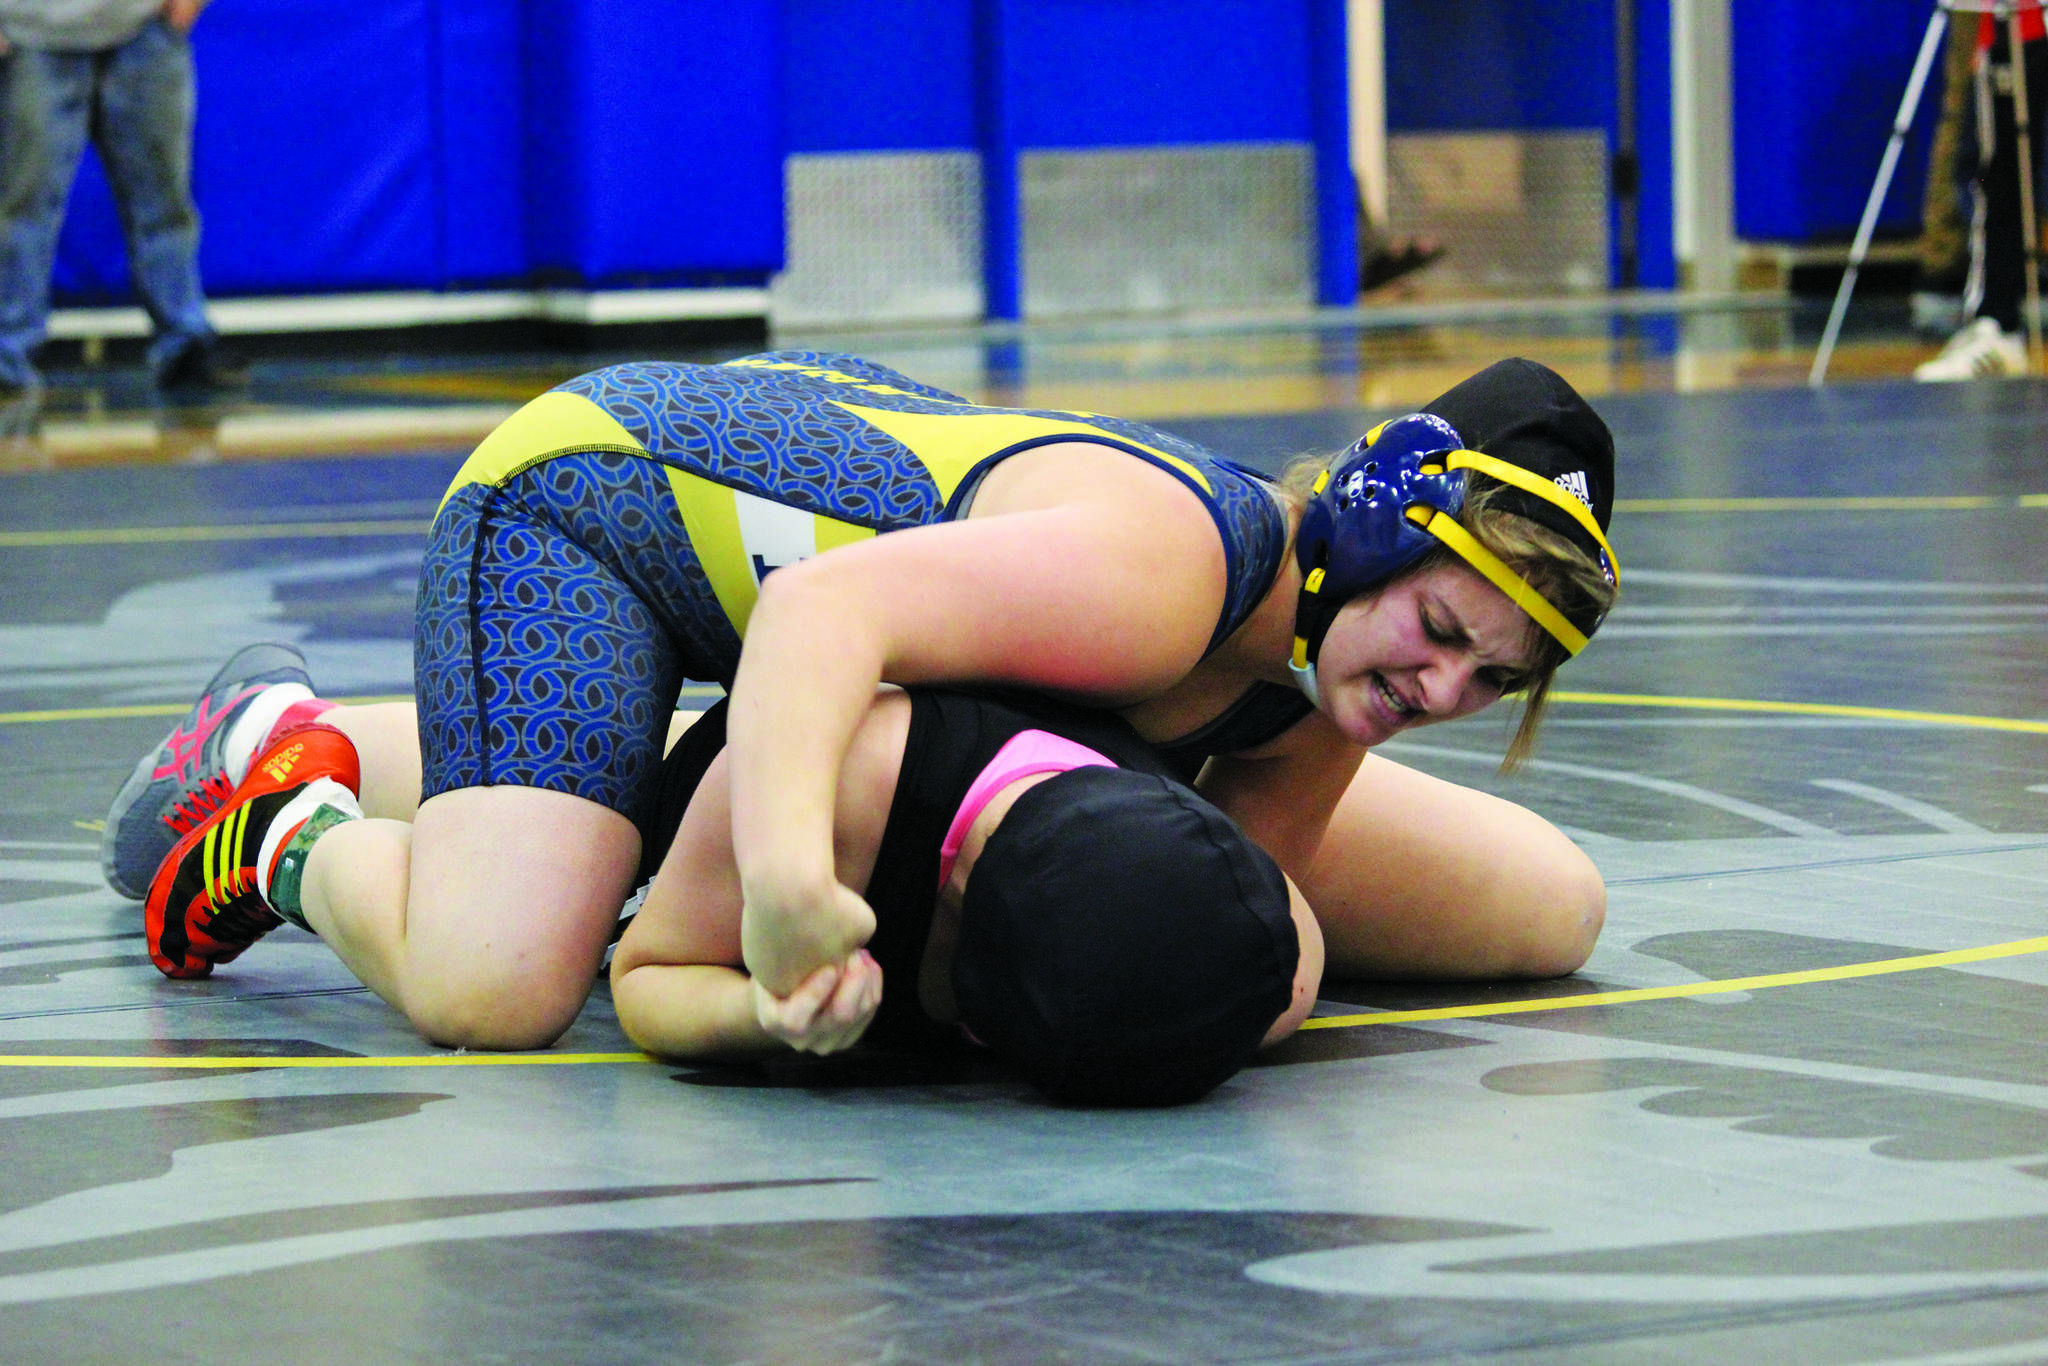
<point x="952" y="444"/>
<point x="833" y="534"/>
<point x="558" y="422"/>
<point x="552" y="423"/>
<point x="712" y="518"/>
<point x="710" y="513"/>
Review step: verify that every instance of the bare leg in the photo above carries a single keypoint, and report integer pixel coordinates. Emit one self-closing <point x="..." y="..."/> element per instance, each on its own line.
<point x="484" y="920"/>
<point x="357" y="882"/>
<point x="387" y="740"/>
<point x="1418" y="877"/>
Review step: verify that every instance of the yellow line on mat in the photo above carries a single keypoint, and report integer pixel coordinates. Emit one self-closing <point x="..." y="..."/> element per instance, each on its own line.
<point x="1381" y="1017"/>
<point x="1932" y="718"/>
<point x="1603" y="699"/>
<point x="291" y="531"/>
<point x="17" y="718"/>
<point x="1879" y="968"/>
<point x="247" y="531"/>
<point x="1965" y="502"/>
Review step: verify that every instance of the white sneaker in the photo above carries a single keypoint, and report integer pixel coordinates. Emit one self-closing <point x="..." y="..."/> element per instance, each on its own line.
<point x="1981" y="350"/>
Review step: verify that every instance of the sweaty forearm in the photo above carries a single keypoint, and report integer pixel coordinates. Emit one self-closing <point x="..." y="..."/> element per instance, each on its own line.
<point x="805" y="681"/>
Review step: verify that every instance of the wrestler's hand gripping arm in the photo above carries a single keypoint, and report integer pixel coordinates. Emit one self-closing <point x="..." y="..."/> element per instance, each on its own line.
<point x="1082" y="572"/>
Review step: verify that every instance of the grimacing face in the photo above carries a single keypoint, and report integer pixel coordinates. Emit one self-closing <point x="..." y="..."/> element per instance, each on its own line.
<point x="1431" y="646"/>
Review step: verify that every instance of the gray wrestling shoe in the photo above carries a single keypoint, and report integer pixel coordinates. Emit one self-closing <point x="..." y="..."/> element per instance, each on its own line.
<point x="182" y="781"/>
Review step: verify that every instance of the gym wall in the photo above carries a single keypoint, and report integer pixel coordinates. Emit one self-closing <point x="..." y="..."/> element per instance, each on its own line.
<point x="1069" y="155"/>
<point x="969" y="158"/>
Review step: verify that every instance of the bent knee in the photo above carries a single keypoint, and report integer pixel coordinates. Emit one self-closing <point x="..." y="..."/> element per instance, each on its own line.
<point x="477" y="1010"/>
<point x="1567" y="922"/>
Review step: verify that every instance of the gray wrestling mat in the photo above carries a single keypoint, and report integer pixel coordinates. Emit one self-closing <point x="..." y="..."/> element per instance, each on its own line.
<point x="1795" y="1109"/>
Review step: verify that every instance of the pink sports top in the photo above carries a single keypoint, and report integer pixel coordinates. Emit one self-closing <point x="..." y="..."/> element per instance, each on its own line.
<point x="1028" y="752"/>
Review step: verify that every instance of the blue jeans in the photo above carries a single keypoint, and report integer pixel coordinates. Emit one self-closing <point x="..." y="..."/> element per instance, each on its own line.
<point x="136" y="103"/>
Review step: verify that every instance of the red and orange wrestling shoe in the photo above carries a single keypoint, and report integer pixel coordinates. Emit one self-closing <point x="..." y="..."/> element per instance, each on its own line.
<point x="210" y="898"/>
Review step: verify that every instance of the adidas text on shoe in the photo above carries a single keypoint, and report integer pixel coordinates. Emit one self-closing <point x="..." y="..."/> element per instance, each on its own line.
<point x="207" y="902"/>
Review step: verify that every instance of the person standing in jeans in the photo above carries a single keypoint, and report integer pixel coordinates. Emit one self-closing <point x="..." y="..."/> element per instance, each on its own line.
<point x="120" y="73"/>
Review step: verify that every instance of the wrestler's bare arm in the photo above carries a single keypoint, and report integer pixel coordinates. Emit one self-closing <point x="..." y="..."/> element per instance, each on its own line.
<point x="1080" y="572"/>
<point x="678" y="980"/>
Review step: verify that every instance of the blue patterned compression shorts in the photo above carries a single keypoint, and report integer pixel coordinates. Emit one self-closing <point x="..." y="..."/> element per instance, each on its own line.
<point x="559" y="613"/>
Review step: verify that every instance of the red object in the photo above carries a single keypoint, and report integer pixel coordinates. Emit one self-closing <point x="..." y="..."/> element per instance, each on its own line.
<point x="299" y="714"/>
<point x="2032" y="28"/>
<point x="204" y="907"/>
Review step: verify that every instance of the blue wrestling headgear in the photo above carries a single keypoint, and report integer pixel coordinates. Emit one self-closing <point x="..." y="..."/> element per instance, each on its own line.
<point x="1396" y="494"/>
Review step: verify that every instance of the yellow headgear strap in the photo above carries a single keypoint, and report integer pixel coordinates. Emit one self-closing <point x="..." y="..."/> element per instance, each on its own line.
<point x="1310" y="586"/>
<point x="1542" y="488"/>
<point x="1446" y="529"/>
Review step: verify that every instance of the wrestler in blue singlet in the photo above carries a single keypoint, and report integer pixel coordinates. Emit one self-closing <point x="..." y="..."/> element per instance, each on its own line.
<point x="609" y="539"/>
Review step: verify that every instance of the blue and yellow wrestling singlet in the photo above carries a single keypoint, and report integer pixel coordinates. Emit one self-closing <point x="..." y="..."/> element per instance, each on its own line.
<point x="610" y="538"/>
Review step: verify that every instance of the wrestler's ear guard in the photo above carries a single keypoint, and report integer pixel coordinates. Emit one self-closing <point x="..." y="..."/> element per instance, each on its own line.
<point x="1386" y="502"/>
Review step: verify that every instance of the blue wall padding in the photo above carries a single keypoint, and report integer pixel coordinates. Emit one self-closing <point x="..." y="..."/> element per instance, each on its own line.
<point x="1816" y="88"/>
<point x="1508" y="65"/>
<point x="1656" y="252"/>
<point x="1137" y="72"/>
<point x="433" y="144"/>
<point x="899" y="78"/>
<point x="483" y="120"/>
<point x="1081" y="74"/>
<point x="1476" y="65"/>
<point x="314" y="157"/>
<point x="556" y="92"/>
<point x="1002" y="180"/>
<point x="654" y="139"/>
<point x="1336" y="193"/>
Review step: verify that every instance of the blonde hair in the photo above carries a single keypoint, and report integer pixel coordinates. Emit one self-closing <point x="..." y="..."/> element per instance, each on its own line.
<point x="1551" y="564"/>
